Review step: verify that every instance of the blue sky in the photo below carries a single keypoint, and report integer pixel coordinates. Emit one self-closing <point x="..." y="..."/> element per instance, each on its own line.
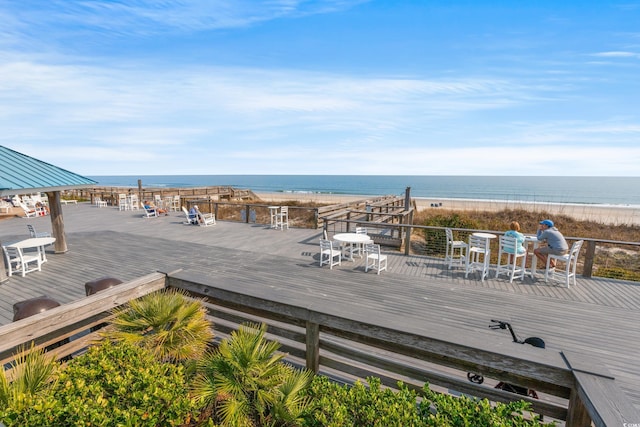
<point x="398" y="87"/>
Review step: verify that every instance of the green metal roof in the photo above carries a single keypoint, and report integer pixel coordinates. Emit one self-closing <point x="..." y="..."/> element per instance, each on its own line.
<point x="21" y="174"/>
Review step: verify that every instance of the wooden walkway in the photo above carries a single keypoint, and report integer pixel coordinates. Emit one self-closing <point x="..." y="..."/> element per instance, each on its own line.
<point x="599" y="319"/>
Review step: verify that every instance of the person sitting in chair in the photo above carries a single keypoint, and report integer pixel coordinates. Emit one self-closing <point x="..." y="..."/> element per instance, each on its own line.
<point x="151" y="208"/>
<point x="42" y="209"/>
<point x="514" y="231"/>
<point x="556" y="244"/>
<point x="194" y="214"/>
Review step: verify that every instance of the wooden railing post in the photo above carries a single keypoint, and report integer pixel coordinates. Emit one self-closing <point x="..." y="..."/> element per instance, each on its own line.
<point x="407" y="245"/>
<point x="313" y="346"/>
<point x="577" y="415"/>
<point x="587" y="269"/>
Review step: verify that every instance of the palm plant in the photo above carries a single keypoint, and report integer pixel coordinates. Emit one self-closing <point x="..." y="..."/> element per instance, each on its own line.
<point x="32" y="372"/>
<point x="169" y="324"/>
<point x="246" y="383"/>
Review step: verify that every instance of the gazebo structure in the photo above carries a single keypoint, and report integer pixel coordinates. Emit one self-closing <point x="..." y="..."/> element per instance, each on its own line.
<point x="22" y="174"/>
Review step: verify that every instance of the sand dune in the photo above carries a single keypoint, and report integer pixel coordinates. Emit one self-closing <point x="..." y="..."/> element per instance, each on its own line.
<point x="604" y="214"/>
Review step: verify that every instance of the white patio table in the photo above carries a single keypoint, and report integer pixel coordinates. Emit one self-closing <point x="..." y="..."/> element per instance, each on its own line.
<point x="35" y="242"/>
<point x="533" y="239"/>
<point x="352" y="239"/>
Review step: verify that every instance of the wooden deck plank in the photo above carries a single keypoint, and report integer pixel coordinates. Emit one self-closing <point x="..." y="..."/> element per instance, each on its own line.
<point x="598" y="317"/>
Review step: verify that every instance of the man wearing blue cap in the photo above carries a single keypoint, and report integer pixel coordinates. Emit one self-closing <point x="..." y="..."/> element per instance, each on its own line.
<point x="556" y="244"/>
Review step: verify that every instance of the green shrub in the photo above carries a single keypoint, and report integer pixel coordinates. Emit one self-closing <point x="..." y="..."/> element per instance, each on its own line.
<point x="617" y="273"/>
<point x="245" y="383"/>
<point x="110" y="385"/>
<point x="436" y="240"/>
<point x="33" y="373"/>
<point x="171" y="325"/>
<point x="451" y="411"/>
<point x="358" y="405"/>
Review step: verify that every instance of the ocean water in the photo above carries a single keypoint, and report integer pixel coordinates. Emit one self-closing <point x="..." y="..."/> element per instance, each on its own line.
<point x="619" y="191"/>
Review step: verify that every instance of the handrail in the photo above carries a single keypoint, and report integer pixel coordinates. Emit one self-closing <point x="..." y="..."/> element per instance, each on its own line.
<point x="46" y="326"/>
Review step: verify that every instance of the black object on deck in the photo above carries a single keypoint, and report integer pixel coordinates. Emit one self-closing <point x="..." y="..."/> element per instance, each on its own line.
<point x="97" y="285"/>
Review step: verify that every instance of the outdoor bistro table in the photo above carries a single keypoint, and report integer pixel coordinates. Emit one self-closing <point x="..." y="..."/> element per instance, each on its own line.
<point x="485" y="235"/>
<point x="534" y="259"/>
<point x="352" y="239"/>
<point x="35" y="242"/>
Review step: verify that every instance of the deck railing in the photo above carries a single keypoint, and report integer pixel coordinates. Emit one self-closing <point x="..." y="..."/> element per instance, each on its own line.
<point x="390" y="222"/>
<point x="595" y="253"/>
<point x="348" y="347"/>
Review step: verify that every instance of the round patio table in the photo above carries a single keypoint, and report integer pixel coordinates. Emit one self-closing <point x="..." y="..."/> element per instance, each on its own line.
<point x="352" y="239"/>
<point x="35" y="242"/>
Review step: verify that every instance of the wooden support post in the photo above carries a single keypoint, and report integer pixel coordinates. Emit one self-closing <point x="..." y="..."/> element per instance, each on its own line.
<point x="407" y="245"/>
<point x="577" y="415"/>
<point x="407" y="198"/>
<point x="313" y="346"/>
<point x="587" y="269"/>
<point x="57" y="222"/>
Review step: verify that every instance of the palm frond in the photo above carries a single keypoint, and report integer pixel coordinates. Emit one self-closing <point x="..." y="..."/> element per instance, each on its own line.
<point x="32" y="371"/>
<point x="171" y="325"/>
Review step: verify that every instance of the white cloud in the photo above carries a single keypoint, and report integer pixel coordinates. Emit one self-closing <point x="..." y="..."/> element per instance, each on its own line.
<point x="149" y="17"/>
<point x="617" y="54"/>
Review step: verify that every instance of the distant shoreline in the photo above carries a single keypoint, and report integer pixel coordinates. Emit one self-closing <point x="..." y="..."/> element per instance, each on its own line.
<point x="604" y="214"/>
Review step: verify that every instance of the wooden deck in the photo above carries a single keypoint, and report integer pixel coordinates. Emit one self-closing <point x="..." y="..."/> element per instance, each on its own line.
<point x="599" y="319"/>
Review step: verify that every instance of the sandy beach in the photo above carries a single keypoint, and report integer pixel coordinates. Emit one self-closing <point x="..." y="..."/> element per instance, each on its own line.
<point x="604" y="214"/>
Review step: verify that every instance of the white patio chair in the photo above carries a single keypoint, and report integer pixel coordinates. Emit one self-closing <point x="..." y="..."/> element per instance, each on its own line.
<point x="34" y="233"/>
<point x="374" y="259"/>
<point x="133" y="202"/>
<point x="359" y="248"/>
<point x="509" y="247"/>
<point x="99" y="202"/>
<point x="28" y="212"/>
<point x="571" y="262"/>
<point x="149" y="212"/>
<point x="206" y="219"/>
<point x="37" y="198"/>
<point x="157" y="200"/>
<point x="452" y="246"/>
<point x="167" y="203"/>
<point x="175" y="203"/>
<point x="5" y="207"/>
<point x="123" y="204"/>
<point x="15" y="256"/>
<point x="330" y="253"/>
<point x="282" y="217"/>
<point x="478" y="255"/>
